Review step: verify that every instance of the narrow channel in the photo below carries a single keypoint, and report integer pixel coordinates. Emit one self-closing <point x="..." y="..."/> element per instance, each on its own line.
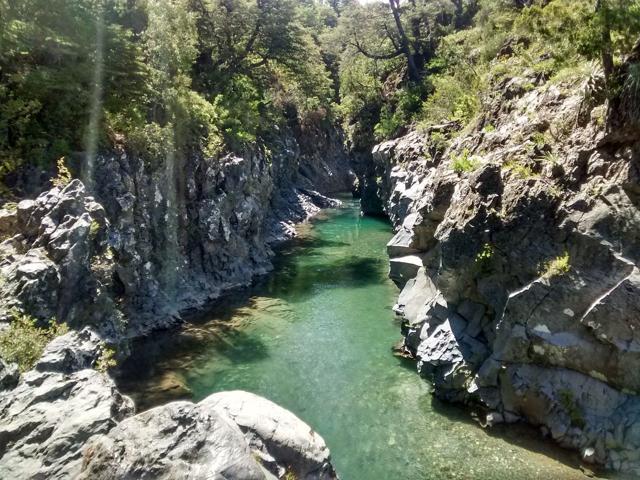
<point x="315" y="336"/>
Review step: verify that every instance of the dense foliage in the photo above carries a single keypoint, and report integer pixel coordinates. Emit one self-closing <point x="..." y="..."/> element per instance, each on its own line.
<point x="169" y="76"/>
<point x="160" y="75"/>
<point x="23" y="341"/>
<point x="462" y="49"/>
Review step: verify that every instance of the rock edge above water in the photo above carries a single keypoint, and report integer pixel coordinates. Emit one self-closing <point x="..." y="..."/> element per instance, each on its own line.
<point x="66" y="420"/>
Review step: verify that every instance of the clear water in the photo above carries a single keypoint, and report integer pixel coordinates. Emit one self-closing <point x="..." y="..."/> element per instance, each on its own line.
<point x="316" y="337"/>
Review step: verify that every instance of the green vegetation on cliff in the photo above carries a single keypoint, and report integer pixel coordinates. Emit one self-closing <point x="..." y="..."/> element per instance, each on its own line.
<point x="460" y="50"/>
<point x="77" y="75"/>
<point x="23" y="341"/>
<point x="165" y="77"/>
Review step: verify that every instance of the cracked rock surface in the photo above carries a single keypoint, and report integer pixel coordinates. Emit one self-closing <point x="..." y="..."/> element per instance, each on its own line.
<point x="525" y="299"/>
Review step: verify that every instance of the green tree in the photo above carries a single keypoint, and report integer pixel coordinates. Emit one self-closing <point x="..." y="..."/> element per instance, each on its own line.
<point x="47" y="60"/>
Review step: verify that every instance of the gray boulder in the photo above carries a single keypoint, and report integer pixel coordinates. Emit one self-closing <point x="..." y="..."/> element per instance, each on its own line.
<point x="178" y="440"/>
<point x="31" y="282"/>
<point x="8" y="222"/>
<point x="46" y="420"/>
<point x="71" y="352"/>
<point x="282" y="441"/>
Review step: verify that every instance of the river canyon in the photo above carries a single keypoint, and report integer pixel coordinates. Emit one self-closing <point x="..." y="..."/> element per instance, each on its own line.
<point x="316" y="337"/>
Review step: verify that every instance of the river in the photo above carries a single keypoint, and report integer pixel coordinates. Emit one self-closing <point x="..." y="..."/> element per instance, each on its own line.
<point x="315" y="336"/>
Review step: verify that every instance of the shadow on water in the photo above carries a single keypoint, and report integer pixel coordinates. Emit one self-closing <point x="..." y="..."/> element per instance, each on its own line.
<point x="179" y="350"/>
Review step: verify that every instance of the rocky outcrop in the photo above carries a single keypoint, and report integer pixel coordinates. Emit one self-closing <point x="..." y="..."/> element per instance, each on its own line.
<point x="151" y="237"/>
<point x="178" y="440"/>
<point x="66" y="420"/>
<point x="186" y="440"/>
<point x="47" y="418"/>
<point x="145" y="240"/>
<point x="516" y="249"/>
<point x="49" y="266"/>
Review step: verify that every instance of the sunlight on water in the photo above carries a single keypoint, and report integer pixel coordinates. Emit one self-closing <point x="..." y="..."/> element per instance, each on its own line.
<point x="316" y="337"/>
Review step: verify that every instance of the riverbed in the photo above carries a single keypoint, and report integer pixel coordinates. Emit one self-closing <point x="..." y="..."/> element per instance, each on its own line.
<point x="315" y="336"/>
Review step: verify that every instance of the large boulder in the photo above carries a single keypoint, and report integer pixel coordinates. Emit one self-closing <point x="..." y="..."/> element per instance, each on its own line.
<point x="46" y="420"/>
<point x="178" y="440"/>
<point x="232" y="435"/>
<point x="283" y="441"/>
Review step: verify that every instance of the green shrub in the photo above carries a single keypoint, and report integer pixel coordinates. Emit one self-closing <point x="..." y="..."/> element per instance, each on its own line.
<point x="556" y="267"/>
<point x="94" y="229"/>
<point x="388" y="125"/>
<point x="107" y="360"/>
<point x="521" y="170"/>
<point x="403" y="105"/>
<point x="551" y="157"/>
<point x="289" y="475"/>
<point x="64" y="175"/>
<point x="464" y="162"/>
<point x="439" y="141"/>
<point x="483" y="259"/>
<point x="485" y="253"/>
<point x="540" y="139"/>
<point x="452" y="99"/>
<point x="572" y="408"/>
<point x="23" y="342"/>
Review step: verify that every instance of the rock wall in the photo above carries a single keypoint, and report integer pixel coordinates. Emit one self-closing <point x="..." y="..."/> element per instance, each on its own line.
<point x="148" y="239"/>
<point x="517" y="251"/>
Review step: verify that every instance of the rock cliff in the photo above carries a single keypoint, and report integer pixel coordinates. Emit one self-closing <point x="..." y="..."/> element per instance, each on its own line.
<point x="517" y="252"/>
<point x="141" y="241"/>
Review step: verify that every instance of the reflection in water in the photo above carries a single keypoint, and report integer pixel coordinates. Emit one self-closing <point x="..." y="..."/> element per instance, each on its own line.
<point x="315" y="336"/>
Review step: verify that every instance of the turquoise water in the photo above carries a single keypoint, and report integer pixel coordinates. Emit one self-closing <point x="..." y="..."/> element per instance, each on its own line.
<point x="315" y="337"/>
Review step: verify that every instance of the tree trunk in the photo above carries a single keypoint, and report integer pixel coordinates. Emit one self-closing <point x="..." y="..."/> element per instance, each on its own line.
<point x="606" y="49"/>
<point x="414" y="73"/>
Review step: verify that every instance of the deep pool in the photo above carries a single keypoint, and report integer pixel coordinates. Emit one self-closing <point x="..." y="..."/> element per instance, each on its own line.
<point x="315" y="336"/>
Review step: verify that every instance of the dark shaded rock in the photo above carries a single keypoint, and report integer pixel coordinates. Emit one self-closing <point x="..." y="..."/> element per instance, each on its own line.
<point x="9" y="375"/>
